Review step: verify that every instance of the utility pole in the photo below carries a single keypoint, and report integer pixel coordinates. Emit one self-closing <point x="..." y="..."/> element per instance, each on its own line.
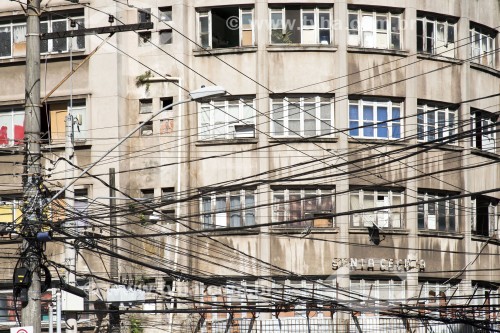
<point x="114" y="316"/>
<point x="32" y="180"/>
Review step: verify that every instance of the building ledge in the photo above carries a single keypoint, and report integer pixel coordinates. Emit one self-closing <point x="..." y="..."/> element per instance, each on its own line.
<point x="387" y="142"/>
<point x="487" y="154"/>
<point x="229" y="232"/>
<point x="401" y="53"/>
<point x="479" y="238"/>
<point x="300" y="48"/>
<point x="228" y="50"/>
<point x="77" y="55"/>
<point x="14" y="150"/>
<point x="303" y="230"/>
<point x="434" y="57"/>
<point x="302" y="140"/>
<point x="226" y="142"/>
<point x="486" y="69"/>
<point x="382" y="231"/>
<point x="440" y="234"/>
<point x="446" y="147"/>
<point x="79" y="145"/>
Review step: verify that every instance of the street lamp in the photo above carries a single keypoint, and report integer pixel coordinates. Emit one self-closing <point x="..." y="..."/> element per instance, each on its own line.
<point x="200" y="95"/>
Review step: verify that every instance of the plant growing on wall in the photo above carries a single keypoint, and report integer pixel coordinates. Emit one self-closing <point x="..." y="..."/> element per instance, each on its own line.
<point x="143" y="79"/>
<point x="135" y="326"/>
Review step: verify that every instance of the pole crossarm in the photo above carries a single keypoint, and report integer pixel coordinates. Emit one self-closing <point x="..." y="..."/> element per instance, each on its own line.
<point x="96" y="31"/>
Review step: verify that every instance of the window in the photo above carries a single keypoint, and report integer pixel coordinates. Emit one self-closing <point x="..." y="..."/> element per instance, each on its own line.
<point x="226" y="27"/>
<point x="378" y="292"/>
<point x="13" y="35"/>
<point x="440" y="215"/>
<point x="10" y="213"/>
<point x="300" y="25"/>
<point x="11" y="126"/>
<point x="144" y="38"/>
<point x="485" y="218"/>
<point x="80" y="206"/>
<point x="165" y="13"/>
<point x="434" y="123"/>
<point x="166" y="101"/>
<point x="379" y="119"/>
<point x="227" y="119"/>
<point x="371" y="29"/>
<point x="165" y="36"/>
<point x="302" y="116"/>
<point x="482" y="43"/>
<point x="228" y="209"/>
<point x="436" y="36"/>
<point x="146" y="105"/>
<point x="483" y="130"/>
<point x="148" y="193"/>
<point x="485" y="301"/>
<point x="390" y="217"/>
<point x="308" y="205"/>
<point x="57" y="113"/>
<point x="144" y="15"/>
<point x="147" y="129"/>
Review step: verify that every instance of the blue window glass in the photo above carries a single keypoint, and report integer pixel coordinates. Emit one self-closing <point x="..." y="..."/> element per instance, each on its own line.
<point x="353" y="120"/>
<point x="396" y="130"/>
<point x="368" y="131"/>
<point x="353" y="112"/>
<point x="354" y="130"/>
<point x="382" y="131"/>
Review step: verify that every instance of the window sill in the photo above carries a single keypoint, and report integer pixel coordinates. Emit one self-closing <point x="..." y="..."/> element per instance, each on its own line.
<point x="487" y="154"/>
<point x="389" y="142"/>
<point x="79" y="145"/>
<point x="480" y="238"/>
<point x="226" y="142"/>
<point x="12" y="150"/>
<point x="401" y="53"/>
<point x="229" y="50"/>
<point x="445" y="147"/>
<point x="302" y="140"/>
<point x="44" y="57"/>
<point x="228" y="232"/>
<point x="427" y="56"/>
<point x="486" y="69"/>
<point x="440" y="234"/>
<point x="303" y="230"/>
<point x="300" y="48"/>
<point x="383" y="231"/>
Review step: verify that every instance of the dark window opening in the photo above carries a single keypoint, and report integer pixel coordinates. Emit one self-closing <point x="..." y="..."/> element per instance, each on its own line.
<point x="222" y="34"/>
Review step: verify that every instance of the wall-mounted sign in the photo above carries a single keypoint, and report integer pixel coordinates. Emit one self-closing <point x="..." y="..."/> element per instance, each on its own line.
<point x="371" y="264"/>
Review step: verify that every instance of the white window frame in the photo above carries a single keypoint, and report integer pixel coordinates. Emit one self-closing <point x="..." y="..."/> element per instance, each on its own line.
<point x="242" y="11"/>
<point x="372" y="290"/>
<point x="487" y="123"/>
<point x="356" y="35"/>
<point x="281" y="127"/>
<point x="442" y="47"/>
<point x="493" y="219"/>
<point x="282" y="209"/>
<point x="218" y="217"/>
<point x="390" y="123"/>
<point x="383" y="218"/>
<point x="482" y="47"/>
<point x="429" y="125"/>
<point x="71" y="42"/>
<point x="216" y="121"/>
<point x="431" y="221"/>
<point x="12" y="113"/>
<point x="316" y="28"/>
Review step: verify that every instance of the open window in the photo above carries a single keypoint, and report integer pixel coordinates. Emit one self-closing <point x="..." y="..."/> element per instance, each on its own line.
<point x="484" y="125"/>
<point x="295" y="24"/>
<point x="374" y="29"/>
<point x="436" y="35"/>
<point x="228" y="209"/>
<point x="482" y="42"/>
<point x="378" y="205"/>
<point x="439" y="214"/>
<point x="57" y="112"/>
<point x="226" y="27"/>
<point x="485" y="217"/>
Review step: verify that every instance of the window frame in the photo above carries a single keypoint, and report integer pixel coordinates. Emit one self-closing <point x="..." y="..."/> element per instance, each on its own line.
<point x="283" y="210"/>
<point x="490" y="37"/>
<point x="12" y="112"/>
<point x="368" y="219"/>
<point x="426" y="131"/>
<point x="359" y="31"/>
<point x="425" y="39"/>
<point x="479" y="227"/>
<point x="423" y="212"/>
<point x="220" y="129"/>
<point x="478" y="135"/>
<point x="362" y="125"/>
<point x="213" y="216"/>
<point x="316" y="28"/>
<point x="285" y="109"/>
<point x="207" y="13"/>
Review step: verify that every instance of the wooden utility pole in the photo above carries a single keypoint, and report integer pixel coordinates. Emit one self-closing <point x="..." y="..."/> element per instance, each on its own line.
<point x="31" y="312"/>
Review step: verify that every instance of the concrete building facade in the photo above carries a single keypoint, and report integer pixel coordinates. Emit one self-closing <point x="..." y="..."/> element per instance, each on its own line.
<point x="347" y="182"/>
